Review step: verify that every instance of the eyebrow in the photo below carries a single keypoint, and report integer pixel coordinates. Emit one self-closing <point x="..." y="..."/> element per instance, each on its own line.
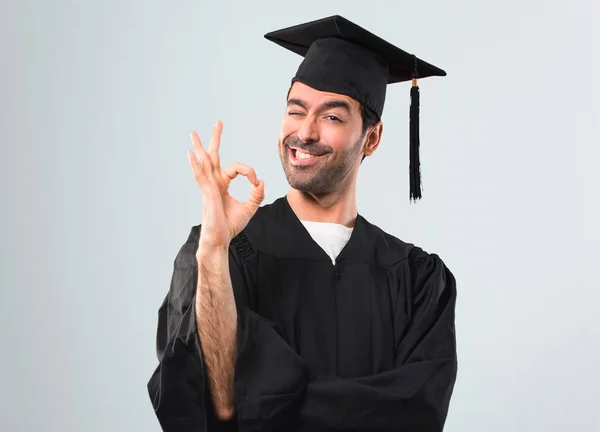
<point x="329" y="104"/>
<point x="298" y="102"/>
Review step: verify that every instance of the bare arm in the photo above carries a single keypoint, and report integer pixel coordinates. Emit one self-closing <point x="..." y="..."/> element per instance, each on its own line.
<point x="216" y="318"/>
<point x="223" y="218"/>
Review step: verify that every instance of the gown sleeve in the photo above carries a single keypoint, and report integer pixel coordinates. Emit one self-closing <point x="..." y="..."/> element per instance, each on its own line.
<point x="178" y="387"/>
<point x="415" y="395"/>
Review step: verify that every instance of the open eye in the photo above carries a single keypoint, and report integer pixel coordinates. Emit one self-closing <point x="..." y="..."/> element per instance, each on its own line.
<point x="333" y="118"/>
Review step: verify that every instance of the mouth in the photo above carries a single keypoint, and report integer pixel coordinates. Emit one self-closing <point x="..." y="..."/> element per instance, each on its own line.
<point x="298" y="157"/>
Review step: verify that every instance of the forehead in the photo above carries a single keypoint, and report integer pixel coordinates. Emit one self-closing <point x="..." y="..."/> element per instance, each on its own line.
<point x="313" y="96"/>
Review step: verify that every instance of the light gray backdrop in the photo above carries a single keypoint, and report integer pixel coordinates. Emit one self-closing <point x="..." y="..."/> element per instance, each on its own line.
<point x="98" y="98"/>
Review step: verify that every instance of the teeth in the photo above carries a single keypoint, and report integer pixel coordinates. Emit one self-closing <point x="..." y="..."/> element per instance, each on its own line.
<point x="301" y="155"/>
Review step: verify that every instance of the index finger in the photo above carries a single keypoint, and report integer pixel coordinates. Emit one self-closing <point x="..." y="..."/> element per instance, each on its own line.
<point x="215" y="139"/>
<point x="238" y="168"/>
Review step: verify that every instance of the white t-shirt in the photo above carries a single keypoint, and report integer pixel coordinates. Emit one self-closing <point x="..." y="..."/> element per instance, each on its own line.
<point x="332" y="237"/>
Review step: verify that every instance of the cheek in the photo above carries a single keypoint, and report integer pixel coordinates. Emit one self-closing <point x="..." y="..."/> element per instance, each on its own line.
<point x="283" y="134"/>
<point x="288" y="127"/>
<point x="338" y="138"/>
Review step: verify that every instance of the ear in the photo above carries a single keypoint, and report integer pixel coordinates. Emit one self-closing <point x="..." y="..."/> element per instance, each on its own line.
<point x="373" y="138"/>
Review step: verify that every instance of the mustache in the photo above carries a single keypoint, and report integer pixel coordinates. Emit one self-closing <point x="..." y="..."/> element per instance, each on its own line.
<point x="317" y="149"/>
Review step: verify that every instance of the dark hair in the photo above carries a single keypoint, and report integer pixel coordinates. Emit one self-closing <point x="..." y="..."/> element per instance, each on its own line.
<point x="369" y="118"/>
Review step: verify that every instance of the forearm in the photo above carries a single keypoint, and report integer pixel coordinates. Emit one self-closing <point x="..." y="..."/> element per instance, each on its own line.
<point x="216" y="318"/>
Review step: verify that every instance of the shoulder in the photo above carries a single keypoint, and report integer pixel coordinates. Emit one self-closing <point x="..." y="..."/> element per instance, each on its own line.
<point x="267" y="222"/>
<point x="272" y="230"/>
<point x="258" y="231"/>
<point x="387" y="249"/>
<point x="418" y="257"/>
<point x="396" y="250"/>
<point x="429" y="275"/>
<point x="422" y="263"/>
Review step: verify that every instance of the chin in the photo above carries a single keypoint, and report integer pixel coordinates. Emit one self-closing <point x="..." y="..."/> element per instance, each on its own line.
<point x="308" y="186"/>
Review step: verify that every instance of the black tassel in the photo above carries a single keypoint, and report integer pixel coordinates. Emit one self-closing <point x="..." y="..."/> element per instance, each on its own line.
<point x="415" y="174"/>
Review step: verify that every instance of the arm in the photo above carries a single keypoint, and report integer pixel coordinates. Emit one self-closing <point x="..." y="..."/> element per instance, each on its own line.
<point x="203" y="304"/>
<point x="216" y="319"/>
<point x="415" y="395"/>
<point x="269" y="377"/>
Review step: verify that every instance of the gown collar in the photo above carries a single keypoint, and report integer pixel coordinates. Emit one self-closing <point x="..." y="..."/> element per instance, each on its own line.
<point x="276" y="229"/>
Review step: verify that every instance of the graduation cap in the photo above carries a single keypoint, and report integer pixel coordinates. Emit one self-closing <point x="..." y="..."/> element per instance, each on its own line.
<point x="342" y="57"/>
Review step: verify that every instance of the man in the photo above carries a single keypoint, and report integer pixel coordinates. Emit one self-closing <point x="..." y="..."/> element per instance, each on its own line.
<point x="300" y="315"/>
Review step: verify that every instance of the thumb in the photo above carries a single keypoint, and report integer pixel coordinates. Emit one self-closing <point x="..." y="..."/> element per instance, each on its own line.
<point x="257" y="195"/>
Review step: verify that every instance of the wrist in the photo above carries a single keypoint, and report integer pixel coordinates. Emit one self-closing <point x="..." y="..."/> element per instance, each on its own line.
<point x="211" y="251"/>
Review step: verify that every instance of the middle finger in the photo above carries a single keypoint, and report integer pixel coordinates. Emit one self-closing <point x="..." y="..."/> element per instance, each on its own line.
<point x="205" y="162"/>
<point x="215" y="143"/>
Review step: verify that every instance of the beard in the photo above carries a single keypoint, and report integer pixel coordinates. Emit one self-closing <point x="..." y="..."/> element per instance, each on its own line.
<point x="326" y="174"/>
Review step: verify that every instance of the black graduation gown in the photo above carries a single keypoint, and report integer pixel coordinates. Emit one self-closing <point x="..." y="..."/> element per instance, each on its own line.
<point x="367" y="344"/>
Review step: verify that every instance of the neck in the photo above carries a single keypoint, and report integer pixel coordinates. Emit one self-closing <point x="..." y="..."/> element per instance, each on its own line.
<point x="336" y="207"/>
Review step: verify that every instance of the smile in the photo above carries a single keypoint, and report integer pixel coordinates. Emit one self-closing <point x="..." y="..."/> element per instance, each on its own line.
<point x="298" y="157"/>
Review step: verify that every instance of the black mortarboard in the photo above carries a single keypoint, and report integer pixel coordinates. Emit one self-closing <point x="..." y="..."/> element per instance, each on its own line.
<point x="341" y="57"/>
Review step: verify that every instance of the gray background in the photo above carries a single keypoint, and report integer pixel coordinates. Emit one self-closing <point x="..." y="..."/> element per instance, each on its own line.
<point x="98" y="98"/>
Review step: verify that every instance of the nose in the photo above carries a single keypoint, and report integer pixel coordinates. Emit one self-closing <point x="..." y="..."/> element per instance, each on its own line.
<point x="309" y="131"/>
